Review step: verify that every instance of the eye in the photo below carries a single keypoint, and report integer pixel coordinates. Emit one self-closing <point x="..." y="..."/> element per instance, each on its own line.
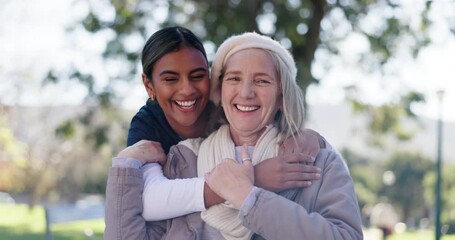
<point x="232" y="78"/>
<point x="170" y="79"/>
<point x="263" y="82"/>
<point x="198" y="77"/>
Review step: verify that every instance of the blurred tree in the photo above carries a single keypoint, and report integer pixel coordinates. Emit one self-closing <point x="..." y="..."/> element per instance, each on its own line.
<point x="367" y="180"/>
<point x="403" y="184"/>
<point x="63" y="165"/>
<point x="86" y="158"/>
<point x="387" y="120"/>
<point x="12" y="156"/>
<point x="448" y="194"/>
<point x="305" y="27"/>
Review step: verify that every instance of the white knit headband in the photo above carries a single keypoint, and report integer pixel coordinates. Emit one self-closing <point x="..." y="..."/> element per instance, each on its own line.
<point x="241" y="42"/>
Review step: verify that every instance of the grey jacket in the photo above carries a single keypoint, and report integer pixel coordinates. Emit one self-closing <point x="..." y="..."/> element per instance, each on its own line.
<point x="326" y="210"/>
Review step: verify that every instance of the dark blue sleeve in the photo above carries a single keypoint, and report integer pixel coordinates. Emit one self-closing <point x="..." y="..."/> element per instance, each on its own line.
<point x="149" y="123"/>
<point x="141" y="129"/>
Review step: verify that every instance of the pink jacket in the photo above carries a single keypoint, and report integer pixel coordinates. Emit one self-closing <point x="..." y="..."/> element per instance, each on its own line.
<point x="326" y="210"/>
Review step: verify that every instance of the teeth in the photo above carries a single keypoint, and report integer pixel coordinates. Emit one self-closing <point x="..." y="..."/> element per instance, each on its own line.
<point x="246" y="108"/>
<point x="186" y="103"/>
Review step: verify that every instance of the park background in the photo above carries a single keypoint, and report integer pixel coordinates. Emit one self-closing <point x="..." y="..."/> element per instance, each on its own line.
<point x="378" y="78"/>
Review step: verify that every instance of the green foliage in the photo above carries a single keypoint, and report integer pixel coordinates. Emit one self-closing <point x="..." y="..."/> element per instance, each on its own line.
<point x="50" y="78"/>
<point x="409" y="185"/>
<point x="387" y="119"/>
<point x="407" y="190"/>
<point x="296" y="22"/>
<point x="12" y="158"/>
<point x="66" y="129"/>
<point x="366" y="178"/>
<point x="447" y="194"/>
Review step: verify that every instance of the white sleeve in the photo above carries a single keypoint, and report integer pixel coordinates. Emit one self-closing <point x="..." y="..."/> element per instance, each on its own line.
<point x="165" y="198"/>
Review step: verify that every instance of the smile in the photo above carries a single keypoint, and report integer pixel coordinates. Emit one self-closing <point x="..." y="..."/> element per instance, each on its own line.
<point x="186" y="104"/>
<point x="246" y="108"/>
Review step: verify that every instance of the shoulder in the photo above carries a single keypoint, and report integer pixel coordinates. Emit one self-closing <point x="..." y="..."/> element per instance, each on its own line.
<point x="149" y="110"/>
<point x="182" y="159"/>
<point x="327" y="153"/>
<point x="191" y="144"/>
<point x="317" y="137"/>
<point x="330" y="159"/>
<point x="150" y="123"/>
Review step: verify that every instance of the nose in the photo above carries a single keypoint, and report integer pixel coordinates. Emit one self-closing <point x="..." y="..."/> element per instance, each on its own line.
<point x="246" y="89"/>
<point x="187" y="87"/>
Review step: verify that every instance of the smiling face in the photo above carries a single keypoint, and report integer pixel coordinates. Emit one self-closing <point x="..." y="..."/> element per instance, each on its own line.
<point x="180" y="84"/>
<point x="250" y="94"/>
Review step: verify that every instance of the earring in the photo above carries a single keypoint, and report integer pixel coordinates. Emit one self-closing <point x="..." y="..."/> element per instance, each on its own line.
<point x="152" y="98"/>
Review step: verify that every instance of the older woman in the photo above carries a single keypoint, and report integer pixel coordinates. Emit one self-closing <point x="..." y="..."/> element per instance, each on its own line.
<point x="255" y="77"/>
<point x="254" y="81"/>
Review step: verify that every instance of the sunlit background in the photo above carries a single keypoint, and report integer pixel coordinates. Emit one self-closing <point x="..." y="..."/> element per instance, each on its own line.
<point x="34" y="38"/>
<point x="68" y="92"/>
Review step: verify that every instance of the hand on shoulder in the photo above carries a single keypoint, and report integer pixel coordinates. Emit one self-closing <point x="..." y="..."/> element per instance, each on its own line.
<point x="145" y="151"/>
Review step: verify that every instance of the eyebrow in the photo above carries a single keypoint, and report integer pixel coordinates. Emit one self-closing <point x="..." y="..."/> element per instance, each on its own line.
<point x="256" y="74"/>
<point x="176" y="73"/>
<point x="232" y="72"/>
<point x="168" y="72"/>
<point x="198" y="70"/>
<point x="263" y="74"/>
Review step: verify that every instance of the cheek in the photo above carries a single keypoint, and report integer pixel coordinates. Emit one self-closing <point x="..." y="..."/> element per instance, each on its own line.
<point x="276" y="103"/>
<point x="163" y="91"/>
<point x="228" y="91"/>
<point x="206" y="87"/>
<point x="203" y="87"/>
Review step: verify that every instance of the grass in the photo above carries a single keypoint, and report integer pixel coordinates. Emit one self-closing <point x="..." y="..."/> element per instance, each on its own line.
<point x="19" y="222"/>
<point x="374" y="234"/>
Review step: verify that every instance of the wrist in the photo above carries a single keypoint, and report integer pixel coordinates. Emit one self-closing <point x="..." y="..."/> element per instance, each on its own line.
<point x="239" y="198"/>
<point x="257" y="177"/>
<point x="210" y="197"/>
<point x="249" y="202"/>
<point x="126" y="162"/>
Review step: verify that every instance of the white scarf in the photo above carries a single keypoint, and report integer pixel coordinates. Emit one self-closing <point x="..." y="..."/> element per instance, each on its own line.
<point x="213" y="150"/>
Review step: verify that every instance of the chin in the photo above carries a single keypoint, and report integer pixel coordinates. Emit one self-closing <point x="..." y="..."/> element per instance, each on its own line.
<point x="188" y="123"/>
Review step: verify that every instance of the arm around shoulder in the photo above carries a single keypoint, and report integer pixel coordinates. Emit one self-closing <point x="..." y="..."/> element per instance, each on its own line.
<point x="178" y="193"/>
<point x="326" y="210"/>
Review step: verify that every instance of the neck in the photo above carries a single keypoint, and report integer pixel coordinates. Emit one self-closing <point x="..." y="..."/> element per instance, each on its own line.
<point x="198" y="129"/>
<point x="195" y="131"/>
<point x="250" y="139"/>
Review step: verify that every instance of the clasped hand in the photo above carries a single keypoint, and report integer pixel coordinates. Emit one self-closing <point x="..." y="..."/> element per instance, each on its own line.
<point x="145" y="151"/>
<point x="232" y="180"/>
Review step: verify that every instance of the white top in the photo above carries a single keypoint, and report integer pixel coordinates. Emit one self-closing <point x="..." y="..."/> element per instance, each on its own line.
<point x="165" y="198"/>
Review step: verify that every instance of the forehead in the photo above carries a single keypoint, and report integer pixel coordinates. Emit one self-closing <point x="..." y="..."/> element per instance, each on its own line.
<point x="182" y="60"/>
<point x="255" y="58"/>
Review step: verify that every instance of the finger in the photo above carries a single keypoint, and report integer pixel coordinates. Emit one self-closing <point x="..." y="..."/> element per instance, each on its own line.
<point x="297" y="184"/>
<point x="291" y="177"/>
<point x="299" y="158"/>
<point x="244" y="154"/>
<point x="302" y="168"/>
